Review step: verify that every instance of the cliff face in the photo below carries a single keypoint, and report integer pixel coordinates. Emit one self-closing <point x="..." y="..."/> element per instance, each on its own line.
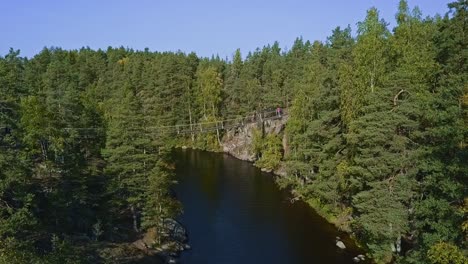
<point x="238" y="142"/>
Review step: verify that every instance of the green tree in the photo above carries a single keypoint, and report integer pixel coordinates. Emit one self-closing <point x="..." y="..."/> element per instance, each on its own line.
<point x="130" y="155"/>
<point x="446" y="253"/>
<point x="209" y="95"/>
<point x="367" y="71"/>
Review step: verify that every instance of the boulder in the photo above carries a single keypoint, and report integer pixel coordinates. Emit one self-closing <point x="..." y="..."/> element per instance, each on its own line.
<point x="171" y="260"/>
<point x="140" y="244"/>
<point x="176" y="230"/>
<point x="340" y="244"/>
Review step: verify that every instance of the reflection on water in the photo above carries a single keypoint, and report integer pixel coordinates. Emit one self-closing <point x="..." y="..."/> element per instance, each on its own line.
<point x="234" y="213"/>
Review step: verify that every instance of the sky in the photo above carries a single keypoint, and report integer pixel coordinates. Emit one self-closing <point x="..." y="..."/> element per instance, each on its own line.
<point x="206" y="27"/>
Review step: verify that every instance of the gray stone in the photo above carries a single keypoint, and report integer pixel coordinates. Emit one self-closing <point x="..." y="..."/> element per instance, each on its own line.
<point x="237" y="142"/>
<point x="340" y="244"/>
<point x="172" y="260"/>
<point x="176" y="230"/>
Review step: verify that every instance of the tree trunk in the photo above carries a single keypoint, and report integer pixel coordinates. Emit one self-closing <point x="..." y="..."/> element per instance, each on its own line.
<point x="134" y="216"/>
<point x="217" y="134"/>
<point x="373" y="74"/>
<point x="217" y="129"/>
<point x="44" y="149"/>
<point x="204" y="110"/>
<point x="190" y="118"/>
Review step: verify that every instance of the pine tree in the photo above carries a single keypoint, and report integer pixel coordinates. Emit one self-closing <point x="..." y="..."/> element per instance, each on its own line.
<point x="442" y="168"/>
<point x="127" y="153"/>
<point x="18" y="223"/>
<point x="233" y="86"/>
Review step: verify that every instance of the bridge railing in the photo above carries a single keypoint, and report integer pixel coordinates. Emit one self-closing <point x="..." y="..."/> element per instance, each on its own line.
<point x="205" y="127"/>
<point x="195" y="128"/>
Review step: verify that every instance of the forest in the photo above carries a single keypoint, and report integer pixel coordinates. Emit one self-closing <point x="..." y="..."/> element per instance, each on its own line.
<point x="377" y="135"/>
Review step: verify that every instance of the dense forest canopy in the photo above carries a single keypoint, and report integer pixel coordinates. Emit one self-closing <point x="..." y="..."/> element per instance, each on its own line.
<point x="377" y="135"/>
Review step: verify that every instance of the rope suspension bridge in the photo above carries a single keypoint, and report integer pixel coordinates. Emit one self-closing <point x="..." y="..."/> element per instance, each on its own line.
<point x="193" y="128"/>
<point x="210" y="126"/>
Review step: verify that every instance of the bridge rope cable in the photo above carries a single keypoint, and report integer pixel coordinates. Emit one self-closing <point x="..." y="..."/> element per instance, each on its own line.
<point x="198" y="127"/>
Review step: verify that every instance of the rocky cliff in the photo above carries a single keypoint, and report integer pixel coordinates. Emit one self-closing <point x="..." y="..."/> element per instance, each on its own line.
<point x="238" y="141"/>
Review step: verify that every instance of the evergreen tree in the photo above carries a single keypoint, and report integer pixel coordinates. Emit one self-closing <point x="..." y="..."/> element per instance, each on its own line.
<point x="367" y="71"/>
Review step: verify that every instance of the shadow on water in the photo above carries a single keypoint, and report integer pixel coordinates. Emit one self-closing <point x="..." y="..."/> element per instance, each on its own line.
<point x="235" y="213"/>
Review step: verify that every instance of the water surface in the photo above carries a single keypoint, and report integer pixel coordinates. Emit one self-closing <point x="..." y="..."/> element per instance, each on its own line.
<point x="234" y="213"/>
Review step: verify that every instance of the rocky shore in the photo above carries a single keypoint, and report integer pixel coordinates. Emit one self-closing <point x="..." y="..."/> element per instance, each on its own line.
<point x="174" y="242"/>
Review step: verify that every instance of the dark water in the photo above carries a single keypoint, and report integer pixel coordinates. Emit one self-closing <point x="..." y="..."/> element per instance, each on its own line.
<point x="234" y="213"/>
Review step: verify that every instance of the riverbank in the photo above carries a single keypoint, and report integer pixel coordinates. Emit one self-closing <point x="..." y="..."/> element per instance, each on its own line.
<point x="137" y="247"/>
<point x="344" y="240"/>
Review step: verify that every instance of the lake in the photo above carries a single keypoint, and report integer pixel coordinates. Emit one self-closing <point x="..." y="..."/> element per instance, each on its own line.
<point x="235" y="213"/>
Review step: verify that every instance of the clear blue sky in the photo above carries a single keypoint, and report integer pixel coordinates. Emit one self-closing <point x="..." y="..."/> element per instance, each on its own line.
<point x="206" y="27"/>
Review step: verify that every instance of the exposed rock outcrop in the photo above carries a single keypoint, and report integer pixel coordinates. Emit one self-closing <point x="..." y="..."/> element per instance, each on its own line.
<point x="238" y="141"/>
